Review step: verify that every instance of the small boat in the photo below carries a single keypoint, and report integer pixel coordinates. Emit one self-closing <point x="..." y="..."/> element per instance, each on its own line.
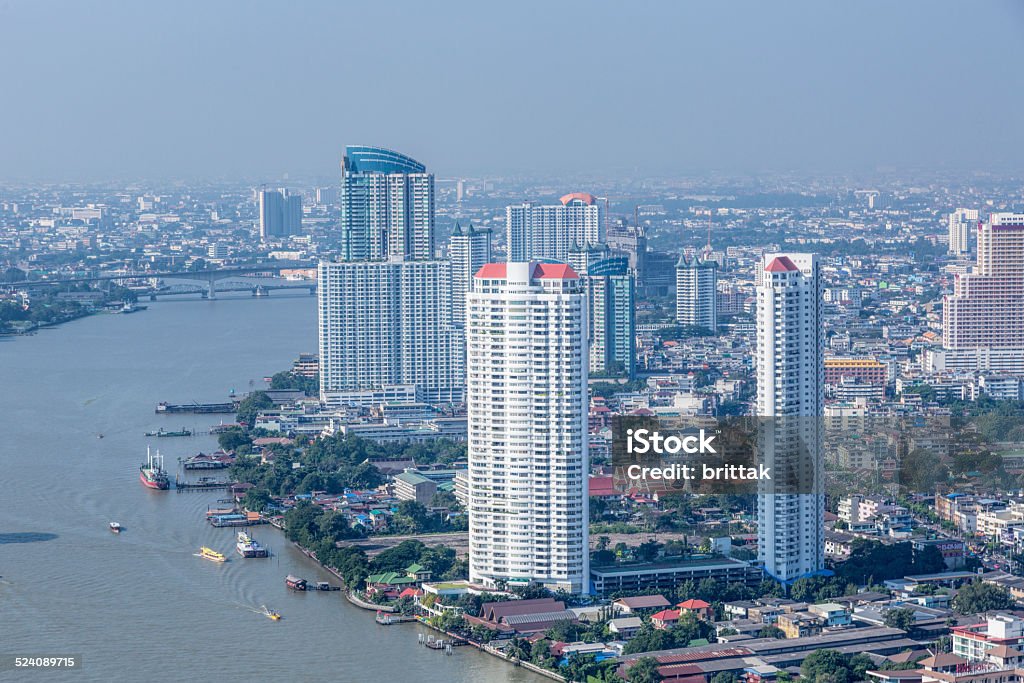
<point x="295" y="583"/>
<point x="99" y="436"/>
<point x="324" y="586"/>
<point x="210" y="554"/>
<point x="273" y="615"/>
<point x="115" y="527"/>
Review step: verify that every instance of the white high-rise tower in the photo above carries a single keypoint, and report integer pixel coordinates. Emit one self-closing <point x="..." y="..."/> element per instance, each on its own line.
<point x="961" y="224"/>
<point x="551" y="232"/>
<point x="526" y="397"/>
<point x="469" y="249"/>
<point x="790" y="398"/>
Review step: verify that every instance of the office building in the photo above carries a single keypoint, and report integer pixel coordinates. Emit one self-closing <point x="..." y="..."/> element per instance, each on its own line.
<point x="550" y="232"/>
<point x="790" y="397"/>
<point x="469" y="249"/>
<point x="387" y="323"/>
<point x="387" y="206"/>
<point x="985" y="312"/>
<point x="962" y="223"/>
<point x="697" y="292"/>
<point x="526" y="396"/>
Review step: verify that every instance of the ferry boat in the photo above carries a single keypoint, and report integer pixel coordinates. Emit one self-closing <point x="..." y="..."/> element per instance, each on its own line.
<point x="115" y="527"/>
<point x="295" y="583"/>
<point x="212" y="555"/>
<point x="247" y="547"/>
<point x="152" y="474"/>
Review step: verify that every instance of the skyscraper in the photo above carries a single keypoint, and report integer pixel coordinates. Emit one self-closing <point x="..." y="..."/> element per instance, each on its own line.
<point x="697" y="292"/>
<point x="469" y="249"/>
<point x="280" y="213"/>
<point x="961" y="222"/>
<point x="986" y="309"/>
<point x="385" y="323"/>
<point x="611" y="295"/>
<point x="549" y="232"/>
<point x="790" y="399"/>
<point x="526" y="396"/>
<point x="387" y="206"/>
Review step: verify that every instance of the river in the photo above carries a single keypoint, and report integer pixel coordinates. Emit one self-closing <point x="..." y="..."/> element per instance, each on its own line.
<point x="140" y="606"/>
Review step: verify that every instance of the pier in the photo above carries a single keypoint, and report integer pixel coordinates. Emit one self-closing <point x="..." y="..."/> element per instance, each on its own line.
<point x="198" y="408"/>
<point x="201" y="484"/>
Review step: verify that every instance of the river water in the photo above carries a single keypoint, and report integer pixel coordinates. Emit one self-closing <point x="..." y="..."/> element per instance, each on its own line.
<point x="140" y="606"/>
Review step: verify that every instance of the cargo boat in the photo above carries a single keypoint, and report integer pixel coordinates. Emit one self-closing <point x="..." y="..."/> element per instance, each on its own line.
<point x="295" y="583"/>
<point x="247" y="547"/>
<point x="152" y="474"/>
<point x="210" y="554"/>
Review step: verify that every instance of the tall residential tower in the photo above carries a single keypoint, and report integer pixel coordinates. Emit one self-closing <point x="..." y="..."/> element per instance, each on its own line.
<point x="387" y="206"/>
<point x="697" y="292"/>
<point x="469" y="249"/>
<point x="791" y="403"/>
<point x="961" y="223"/>
<point x="526" y="396"/>
<point x="550" y="232"/>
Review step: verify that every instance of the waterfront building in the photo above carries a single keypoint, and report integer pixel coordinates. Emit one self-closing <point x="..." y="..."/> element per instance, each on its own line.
<point x="387" y="206"/>
<point x="984" y="316"/>
<point x="697" y="292"/>
<point x="386" y="323"/>
<point x="611" y="294"/>
<point x="526" y="397"/>
<point x="961" y="223"/>
<point x="469" y="249"/>
<point x="550" y="232"/>
<point x="790" y="395"/>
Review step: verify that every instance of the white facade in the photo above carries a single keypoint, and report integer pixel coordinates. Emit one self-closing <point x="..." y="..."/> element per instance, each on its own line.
<point x="961" y="222"/>
<point x="469" y="249"/>
<point x="388" y="323"/>
<point x="790" y="391"/>
<point x="526" y="396"/>
<point x="697" y="293"/>
<point x="550" y="232"/>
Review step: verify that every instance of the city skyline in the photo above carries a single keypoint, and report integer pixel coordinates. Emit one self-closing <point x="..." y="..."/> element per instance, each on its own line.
<point x="804" y="87"/>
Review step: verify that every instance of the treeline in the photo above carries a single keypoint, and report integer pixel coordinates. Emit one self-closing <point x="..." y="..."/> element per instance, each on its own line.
<point x="333" y="464"/>
<point x="319" y="532"/>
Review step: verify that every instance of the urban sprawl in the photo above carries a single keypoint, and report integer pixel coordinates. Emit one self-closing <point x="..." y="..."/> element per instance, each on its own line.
<point x="448" y="451"/>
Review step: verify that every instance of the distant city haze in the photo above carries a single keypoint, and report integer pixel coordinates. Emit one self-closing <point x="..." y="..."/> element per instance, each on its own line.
<point x="256" y="90"/>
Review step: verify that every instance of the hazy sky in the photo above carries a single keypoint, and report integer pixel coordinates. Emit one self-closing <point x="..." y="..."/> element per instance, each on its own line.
<point x="159" y="88"/>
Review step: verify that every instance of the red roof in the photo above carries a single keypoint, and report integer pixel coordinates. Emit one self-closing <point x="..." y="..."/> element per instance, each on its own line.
<point x="602" y="486"/>
<point x="781" y="264"/>
<point x="542" y="271"/>
<point x="584" y="197"/>
<point x="693" y="604"/>
<point x="666" y="615"/>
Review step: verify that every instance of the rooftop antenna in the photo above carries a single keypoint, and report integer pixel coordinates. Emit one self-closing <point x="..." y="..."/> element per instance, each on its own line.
<point x="636" y="215"/>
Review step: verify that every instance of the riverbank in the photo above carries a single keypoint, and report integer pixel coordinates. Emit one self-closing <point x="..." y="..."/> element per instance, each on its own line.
<point x="482" y="647"/>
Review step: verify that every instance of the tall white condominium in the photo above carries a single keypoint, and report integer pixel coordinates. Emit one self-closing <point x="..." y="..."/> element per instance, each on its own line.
<point x="469" y="249"/>
<point x="387" y="323"/>
<point x="387" y="206"/>
<point x="526" y="396"/>
<point x="790" y="394"/>
<point x="697" y="292"/>
<point x="985" y="314"/>
<point x="961" y="222"/>
<point x="550" y="232"/>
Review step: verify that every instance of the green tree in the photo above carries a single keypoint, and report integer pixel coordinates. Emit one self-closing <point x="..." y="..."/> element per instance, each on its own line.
<point x="253" y="404"/>
<point x="982" y="597"/>
<point x="901" y="618"/>
<point x="827" y="665"/>
<point x="644" y="670"/>
<point x="771" y="631"/>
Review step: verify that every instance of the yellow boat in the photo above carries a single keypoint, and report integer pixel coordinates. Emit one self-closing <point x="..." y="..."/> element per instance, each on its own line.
<point x="271" y="614"/>
<point x="210" y="554"/>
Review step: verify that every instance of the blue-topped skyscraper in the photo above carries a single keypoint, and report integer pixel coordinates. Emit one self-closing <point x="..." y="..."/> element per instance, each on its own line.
<point x="387" y="206"/>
